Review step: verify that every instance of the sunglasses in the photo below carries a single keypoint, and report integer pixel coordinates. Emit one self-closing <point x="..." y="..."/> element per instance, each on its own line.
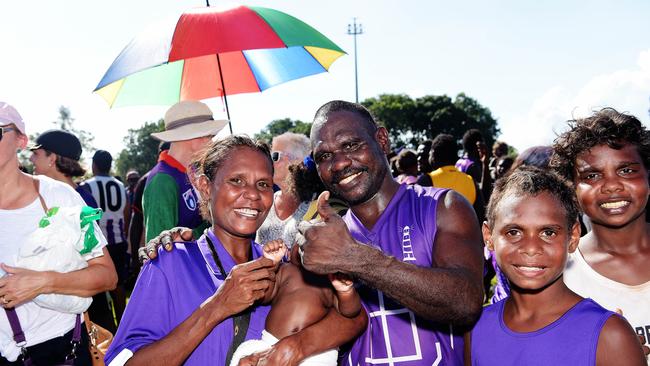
<point x="276" y="155"/>
<point x="5" y="129"/>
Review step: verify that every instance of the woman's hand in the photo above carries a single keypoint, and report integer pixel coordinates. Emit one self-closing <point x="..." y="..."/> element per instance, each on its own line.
<point x="284" y="353"/>
<point x="20" y="285"/>
<point x="246" y="283"/>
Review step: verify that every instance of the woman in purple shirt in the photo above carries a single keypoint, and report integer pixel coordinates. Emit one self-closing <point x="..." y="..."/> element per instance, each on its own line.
<point x="195" y="304"/>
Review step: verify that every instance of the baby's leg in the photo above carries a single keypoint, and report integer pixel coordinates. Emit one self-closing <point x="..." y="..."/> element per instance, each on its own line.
<point x="275" y="250"/>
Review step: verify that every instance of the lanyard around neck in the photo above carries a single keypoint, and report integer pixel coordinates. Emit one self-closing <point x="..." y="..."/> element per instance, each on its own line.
<point x="215" y="256"/>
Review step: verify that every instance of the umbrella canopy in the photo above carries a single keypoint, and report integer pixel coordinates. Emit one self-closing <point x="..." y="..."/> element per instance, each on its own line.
<point x="209" y="53"/>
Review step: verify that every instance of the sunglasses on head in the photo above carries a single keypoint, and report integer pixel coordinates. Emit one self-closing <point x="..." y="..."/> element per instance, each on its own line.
<point x="5" y="129"/>
<point x="276" y="155"/>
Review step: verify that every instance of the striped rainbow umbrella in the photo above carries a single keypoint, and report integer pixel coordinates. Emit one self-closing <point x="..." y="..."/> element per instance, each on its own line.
<point x="210" y="53"/>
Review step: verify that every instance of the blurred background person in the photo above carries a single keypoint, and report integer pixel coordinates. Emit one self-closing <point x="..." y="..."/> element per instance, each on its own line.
<point x="136" y="224"/>
<point x="475" y="161"/>
<point x="110" y="195"/>
<point x="407" y="166"/>
<point x="499" y="151"/>
<point x="423" y="157"/>
<point x="503" y="167"/>
<point x="286" y="149"/>
<point x="442" y="157"/>
<point x="169" y="199"/>
<point x="538" y="156"/>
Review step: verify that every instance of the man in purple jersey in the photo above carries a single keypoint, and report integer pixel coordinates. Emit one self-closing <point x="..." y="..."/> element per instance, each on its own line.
<point x="416" y="250"/>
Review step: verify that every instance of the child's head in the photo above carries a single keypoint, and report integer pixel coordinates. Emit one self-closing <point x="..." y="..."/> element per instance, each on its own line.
<point x="605" y="127"/>
<point x="606" y="156"/>
<point x="532" y="225"/>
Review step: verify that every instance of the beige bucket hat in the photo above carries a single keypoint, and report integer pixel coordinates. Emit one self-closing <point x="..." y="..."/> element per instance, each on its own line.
<point x="188" y="120"/>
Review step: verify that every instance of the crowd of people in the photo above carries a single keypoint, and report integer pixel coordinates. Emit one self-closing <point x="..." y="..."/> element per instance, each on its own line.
<point x="335" y="248"/>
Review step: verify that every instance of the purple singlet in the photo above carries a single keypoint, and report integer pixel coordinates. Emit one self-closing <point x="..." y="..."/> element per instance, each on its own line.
<point x="463" y="164"/>
<point x="395" y="335"/>
<point x="570" y="340"/>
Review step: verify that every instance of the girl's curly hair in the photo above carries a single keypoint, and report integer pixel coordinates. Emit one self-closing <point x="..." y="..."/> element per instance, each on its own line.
<point x="605" y="127"/>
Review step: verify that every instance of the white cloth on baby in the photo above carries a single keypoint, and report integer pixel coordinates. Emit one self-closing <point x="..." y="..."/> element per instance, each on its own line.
<point x="327" y="358"/>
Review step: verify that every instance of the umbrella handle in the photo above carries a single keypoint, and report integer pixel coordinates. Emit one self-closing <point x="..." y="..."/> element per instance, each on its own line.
<point x="223" y="89"/>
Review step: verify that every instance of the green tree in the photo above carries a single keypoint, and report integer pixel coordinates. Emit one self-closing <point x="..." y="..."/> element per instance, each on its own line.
<point x="411" y="121"/>
<point x="280" y="126"/>
<point x="141" y="151"/>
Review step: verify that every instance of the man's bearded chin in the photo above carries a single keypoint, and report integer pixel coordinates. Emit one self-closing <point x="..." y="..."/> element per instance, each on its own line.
<point x="370" y="187"/>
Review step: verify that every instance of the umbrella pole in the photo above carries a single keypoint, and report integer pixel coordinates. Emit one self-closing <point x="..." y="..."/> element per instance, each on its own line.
<point x="223" y="89"/>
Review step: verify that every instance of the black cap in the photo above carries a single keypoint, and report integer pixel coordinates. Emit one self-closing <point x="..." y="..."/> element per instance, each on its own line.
<point x="60" y="142"/>
<point x="103" y="160"/>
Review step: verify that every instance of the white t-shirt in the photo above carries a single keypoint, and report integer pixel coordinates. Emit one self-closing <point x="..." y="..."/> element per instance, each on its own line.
<point x="634" y="301"/>
<point x="110" y="195"/>
<point x="39" y="324"/>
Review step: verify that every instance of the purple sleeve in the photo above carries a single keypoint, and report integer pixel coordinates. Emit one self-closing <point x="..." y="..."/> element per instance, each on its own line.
<point x="147" y="317"/>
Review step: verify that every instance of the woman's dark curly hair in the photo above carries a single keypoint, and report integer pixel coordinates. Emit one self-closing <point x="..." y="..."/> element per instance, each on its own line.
<point x="208" y="161"/>
<point x="528" y="180"/>
<point x="605" y="127"/>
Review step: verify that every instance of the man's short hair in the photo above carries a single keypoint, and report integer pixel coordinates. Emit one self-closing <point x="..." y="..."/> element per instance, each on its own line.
<point x="405" y="160"/>
<point x="470" y="138"/>
<point x="605" y="127"/>
<point x="444" y="150"/>
<point x="298" y="144"/>
<point x="342" y="106"/>
<point x="103" y="161"/>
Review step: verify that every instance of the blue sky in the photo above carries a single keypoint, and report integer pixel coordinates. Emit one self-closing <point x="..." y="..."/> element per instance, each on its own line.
<point x="533" y="63"/>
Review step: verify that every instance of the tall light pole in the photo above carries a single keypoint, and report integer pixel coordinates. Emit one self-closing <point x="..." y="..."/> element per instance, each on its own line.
<point x="355" y="29"/>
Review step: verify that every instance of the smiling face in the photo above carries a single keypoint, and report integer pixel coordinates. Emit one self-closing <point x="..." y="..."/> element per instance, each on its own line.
<point x="351" y="159"/>
<point x="241" y="193"/>
<point x="612" y="185"/>
<point x="531" y="238"/>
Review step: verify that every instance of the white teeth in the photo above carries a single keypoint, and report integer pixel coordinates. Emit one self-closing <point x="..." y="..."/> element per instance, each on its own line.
<point x="247" y="212"/>
<point x="530" y="269"/>
<point x="349" y="179"/>
<point x="617" y="204"/>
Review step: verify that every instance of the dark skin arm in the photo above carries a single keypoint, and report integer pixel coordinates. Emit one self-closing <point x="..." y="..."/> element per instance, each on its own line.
<point x="346" y="300"/>
<point x="332" y="331"/>
<point x="451" y="292"/>
<point x="618" y="345"/>
<point x="467" y="351"/>
<point x="245" y="284"/>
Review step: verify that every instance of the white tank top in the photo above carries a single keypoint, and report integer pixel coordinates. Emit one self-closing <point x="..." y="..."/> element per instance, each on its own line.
<point x="634" y="301"/>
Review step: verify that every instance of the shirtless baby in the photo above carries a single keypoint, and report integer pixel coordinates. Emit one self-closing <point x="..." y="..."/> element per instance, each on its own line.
<point x="298" y="300"/>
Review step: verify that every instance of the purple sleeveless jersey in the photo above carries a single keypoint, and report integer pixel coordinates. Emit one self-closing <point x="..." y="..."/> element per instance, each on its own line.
<point x="188" y="204"/>
<point x="395" y="335"/>
<point x="463" y="164"/>
<point x="570" y="340"/>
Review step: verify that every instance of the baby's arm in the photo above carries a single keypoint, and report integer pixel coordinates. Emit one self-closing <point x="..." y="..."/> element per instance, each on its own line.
<point x="348" y="302"/>
<point x="275" y="251"/>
